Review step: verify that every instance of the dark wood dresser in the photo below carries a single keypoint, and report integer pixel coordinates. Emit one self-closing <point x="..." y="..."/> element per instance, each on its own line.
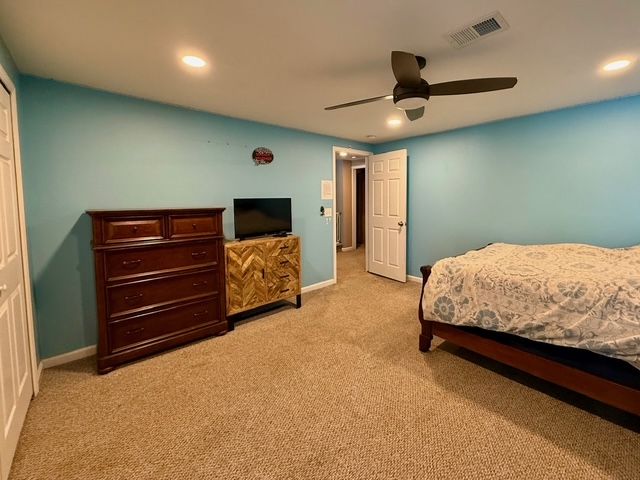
<point x="159" y="280"/>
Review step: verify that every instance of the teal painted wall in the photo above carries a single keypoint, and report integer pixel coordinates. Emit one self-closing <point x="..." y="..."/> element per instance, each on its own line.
<point x="571" y="175"/>
<point x="86" y="149"/>
<point x="565" y="176"/>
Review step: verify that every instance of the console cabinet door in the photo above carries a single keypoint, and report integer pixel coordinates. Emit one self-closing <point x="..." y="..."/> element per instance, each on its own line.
<point x="282" y="276"/>
<point x="246" y="277"/>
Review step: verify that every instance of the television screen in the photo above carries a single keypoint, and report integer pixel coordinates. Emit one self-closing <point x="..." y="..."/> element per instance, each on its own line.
<point x="261" y="216"/>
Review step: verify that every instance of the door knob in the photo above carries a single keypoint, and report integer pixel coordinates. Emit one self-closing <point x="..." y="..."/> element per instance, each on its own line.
<point x="401" y="223"/>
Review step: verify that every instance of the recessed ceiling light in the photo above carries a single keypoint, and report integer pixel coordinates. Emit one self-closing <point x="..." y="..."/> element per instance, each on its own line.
<point x="394" y="122"/>
<point x="354" y="156"/>
<point x="619" y="64"/>
<point x="343" y="154"/>
<point x="193" y="61"/>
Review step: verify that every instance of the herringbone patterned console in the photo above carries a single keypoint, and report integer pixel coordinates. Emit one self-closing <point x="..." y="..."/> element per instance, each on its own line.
<point x="261" y="271"/>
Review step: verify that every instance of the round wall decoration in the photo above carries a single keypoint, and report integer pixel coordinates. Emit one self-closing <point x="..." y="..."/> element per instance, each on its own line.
<point x="262" y="156"/>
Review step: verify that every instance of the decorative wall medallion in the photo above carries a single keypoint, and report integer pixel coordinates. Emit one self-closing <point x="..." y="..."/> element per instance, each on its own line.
<point x="262" y="156"/>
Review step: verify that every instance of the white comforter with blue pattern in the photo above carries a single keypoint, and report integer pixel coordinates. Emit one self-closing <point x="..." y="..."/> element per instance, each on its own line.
<point x="566" y="294"/>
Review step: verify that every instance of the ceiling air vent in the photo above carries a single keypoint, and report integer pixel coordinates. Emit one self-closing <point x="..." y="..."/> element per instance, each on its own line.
<point x="483" y="27"/>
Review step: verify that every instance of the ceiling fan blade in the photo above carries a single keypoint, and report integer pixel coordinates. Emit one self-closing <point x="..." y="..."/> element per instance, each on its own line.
<point x="359" y="102"/>
<point x="406" y="69"/>
<point x="414" y="114"/>
<point x="473" y="85"/>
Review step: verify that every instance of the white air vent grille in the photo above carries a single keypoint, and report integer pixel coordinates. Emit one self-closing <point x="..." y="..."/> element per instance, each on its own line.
<point x="481" y="28"/>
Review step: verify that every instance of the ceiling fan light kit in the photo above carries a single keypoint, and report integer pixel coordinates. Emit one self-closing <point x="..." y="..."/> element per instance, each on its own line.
<point x="412" y="92"/>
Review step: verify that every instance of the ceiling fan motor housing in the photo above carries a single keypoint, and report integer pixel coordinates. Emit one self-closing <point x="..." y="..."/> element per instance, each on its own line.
<point x="411" y="98"/>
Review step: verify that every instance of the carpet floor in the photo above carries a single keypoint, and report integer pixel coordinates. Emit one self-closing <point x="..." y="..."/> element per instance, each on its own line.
<point x="336" y="390"/>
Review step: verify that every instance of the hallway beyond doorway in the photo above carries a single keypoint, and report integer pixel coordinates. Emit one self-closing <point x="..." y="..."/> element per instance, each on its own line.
<point x="351" y="263"/>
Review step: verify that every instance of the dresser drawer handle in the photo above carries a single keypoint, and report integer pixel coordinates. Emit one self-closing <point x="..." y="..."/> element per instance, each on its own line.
<point x="284" y="246"/>
<point x="134" y="331"/>
<point x="133" y="297"/>
<point x="200" y="314"/>
<point x="198" y="254"/>
<point x="285" y="276"/>
<point x="284" y="262"/>
<point x="194" y="225"/>
<point x="200" y="284"/>
<point x="131" y="263"/>
<point x="135" y="228"/>
<point x="285" y="290"/>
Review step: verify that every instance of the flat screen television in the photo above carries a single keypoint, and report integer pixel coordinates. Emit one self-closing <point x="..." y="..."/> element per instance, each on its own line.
<point x="254" y="217"/>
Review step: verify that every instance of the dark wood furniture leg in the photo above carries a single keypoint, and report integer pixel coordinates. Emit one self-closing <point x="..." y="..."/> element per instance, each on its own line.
<point x="298" y="300"/>
<point x="427" y="326"/>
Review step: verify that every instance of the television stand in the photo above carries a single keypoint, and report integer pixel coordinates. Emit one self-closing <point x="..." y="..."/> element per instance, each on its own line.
<point x="261" y="271"/>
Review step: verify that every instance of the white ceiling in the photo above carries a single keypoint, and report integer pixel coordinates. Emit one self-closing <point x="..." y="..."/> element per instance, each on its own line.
<point x="282" y="61"/>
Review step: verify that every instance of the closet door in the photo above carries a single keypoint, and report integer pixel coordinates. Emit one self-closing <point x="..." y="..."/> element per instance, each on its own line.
<point x="15" y="374"/>
<point x="246" y="277"/>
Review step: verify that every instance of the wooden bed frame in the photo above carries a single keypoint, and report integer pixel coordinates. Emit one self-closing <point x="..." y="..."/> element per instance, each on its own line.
<point x="599" y="388"/>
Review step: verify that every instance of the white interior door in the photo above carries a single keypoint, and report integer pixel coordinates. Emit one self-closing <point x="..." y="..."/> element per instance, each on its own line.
<point x="387" y="215"/>
<point x="15" y="374"/>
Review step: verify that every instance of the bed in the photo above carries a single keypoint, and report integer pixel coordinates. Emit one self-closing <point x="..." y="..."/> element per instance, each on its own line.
<point x="567" y="313"/>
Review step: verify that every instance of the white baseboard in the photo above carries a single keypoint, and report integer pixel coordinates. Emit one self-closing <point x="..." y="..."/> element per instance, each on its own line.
<point x="412" y="278"/>
<point x="348" y="249"/>
<point x="318" y="286"/>
<point x="91" y="350"/>
<point x="69" y="357"/>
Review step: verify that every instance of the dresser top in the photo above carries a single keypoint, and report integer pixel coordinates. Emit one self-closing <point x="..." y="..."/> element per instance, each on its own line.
<point x="151" y="211"/>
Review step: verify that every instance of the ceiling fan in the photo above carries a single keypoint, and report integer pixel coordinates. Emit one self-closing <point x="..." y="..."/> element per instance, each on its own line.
<point x="412" y="92"/>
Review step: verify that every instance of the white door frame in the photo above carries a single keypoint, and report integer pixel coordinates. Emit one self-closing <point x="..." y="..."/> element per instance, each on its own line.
<point x="28" y="292"/>
<point x="350" y="151"/>
<point x="353" y="208"/>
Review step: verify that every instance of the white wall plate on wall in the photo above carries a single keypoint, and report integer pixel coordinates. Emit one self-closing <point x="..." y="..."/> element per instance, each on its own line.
<point x="327" y="189"/>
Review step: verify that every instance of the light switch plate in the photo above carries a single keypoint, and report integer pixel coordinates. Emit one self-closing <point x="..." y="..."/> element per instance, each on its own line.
<point x="327" y="212"/>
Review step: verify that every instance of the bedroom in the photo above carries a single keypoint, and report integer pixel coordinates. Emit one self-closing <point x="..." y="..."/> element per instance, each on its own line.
<point x="109" y="117"/>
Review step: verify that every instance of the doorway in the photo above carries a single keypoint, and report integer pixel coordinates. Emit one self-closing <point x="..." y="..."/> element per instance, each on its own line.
<point x="349" y="212"/>
<point x="359" y="194"/>
<point x="384" y="242"/>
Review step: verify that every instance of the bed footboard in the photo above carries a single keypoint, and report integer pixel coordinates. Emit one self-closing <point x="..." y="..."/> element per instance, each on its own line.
<point x="427" y="325"/>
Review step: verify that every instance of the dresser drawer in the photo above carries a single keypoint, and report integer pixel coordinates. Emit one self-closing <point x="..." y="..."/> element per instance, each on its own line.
<point x="115" y="230"/>
<point x="145" y="328"/>
<point x="127" y="298"/>
<point x="136" y="262"/>
<point x="182" y="226"/>
<point x="284" y="263"/>
<point x="286" y="246"/>
<point x="283" y="287"/>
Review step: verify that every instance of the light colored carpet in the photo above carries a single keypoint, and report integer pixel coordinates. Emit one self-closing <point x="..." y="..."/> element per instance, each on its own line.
<point x="337" y="389"/>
